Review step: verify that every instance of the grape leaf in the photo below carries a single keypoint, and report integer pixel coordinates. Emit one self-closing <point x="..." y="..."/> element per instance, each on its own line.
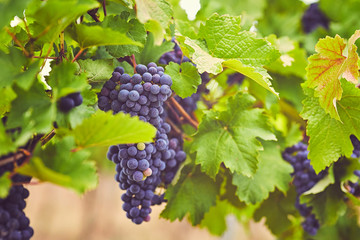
<point x="326" y="131"/>
<point x="7" y="95"/>
<point x="328" y="65"/>
<point x="90" y="36"/>
<point x="345" y="228"/>
<point x="276" y="209"/>
<point x="6" y="144"/>
<point x="292" y="60"/>
<point x="328" y="205"/>
<point x="272" y="172"/>
<point x="12" y="69"/>
<point x="218" y="212"/>
<point x="5" y="184"/>
<point x="63" y="80"/>
<point x="185" y="78"/>
<point x="57" y="164"/>
<point x="76" y="115"/>
<point x="34" y="110"/>
<point x="220" y="43"/>
<point x="11" y="8"/>
<point x="97" y="70"/>
<point x="193" y="194"/>
<point x="159" y="10"/>
<point x="151" y="52"/>
<point x="52" y="17"/>
<point x="133" y="29"/>
<point x="221" y="137"/>
<point x="104" y="129"/>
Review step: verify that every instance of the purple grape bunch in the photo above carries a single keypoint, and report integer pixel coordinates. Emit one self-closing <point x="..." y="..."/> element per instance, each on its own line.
<point x="304" y="179"/>
<point x="314" y="18"/>
<point x="141" y="168"/>
<point x="14" y="225"/>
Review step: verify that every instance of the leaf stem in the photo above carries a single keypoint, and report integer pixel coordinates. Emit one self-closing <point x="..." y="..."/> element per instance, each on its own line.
<point x="191" y="121"/>
<point x="27" y="54"/>
<point x="78" y="54"/>
<point x="104" y="7"/>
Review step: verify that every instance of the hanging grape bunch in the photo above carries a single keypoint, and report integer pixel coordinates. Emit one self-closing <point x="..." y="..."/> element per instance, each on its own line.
<point x="142" y="167"/>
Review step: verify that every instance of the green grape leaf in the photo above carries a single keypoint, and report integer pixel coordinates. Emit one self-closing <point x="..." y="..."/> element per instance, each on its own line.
<point x="159" y="10"/>
<point x="328" y="65"/>
<point x="193" y="194"/>
<point x="97" y="70"/>
<point x="152" y="52"/>
<point x="292" y="60"/>
<point x="276" y="209"/>
<point x="345" y="228"/>
<point x="185" y="78"/>
<point x="11" y="8"/>
<point x="34" y="110"/>
<point x="52" y="17"/>
<point x="221" y="43"/>
<point x="104" y="129"/>
<point x="220" y="137"/>
<point x="91" y="36"/>
<point x="63" y="80"/>
<point x="272" y="172"/>
<point x="76" y="115"/>
<point x="56" y="163"/>
<point x="5" y="185"/>
<point x="133" y="29"/>
<point x="328" y="205"/>
<point x="12" y="69"/>
<point x="7" y="96"/>
<point x="324" y="130"/>
<point x="218" y="212"/>
<point x="6" y="144"/>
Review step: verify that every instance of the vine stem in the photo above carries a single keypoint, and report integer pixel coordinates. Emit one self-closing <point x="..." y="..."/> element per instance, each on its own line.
<point x="45" y="57"/>
<point x="191" y="121"/>
<point x="172" y="110"/>
<point x="12" y="158"/>
<point x="104" y="7"/>
<point x="27" y="54"/>
<point x="133" y="62"/>
<point x="93" y="15"/>
<point x="78" y="54"/>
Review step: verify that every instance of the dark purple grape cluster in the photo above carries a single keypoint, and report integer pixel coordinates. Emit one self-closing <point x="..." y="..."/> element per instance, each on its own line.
<point x="142" y="167"/>
<point x="314" y="18"/>
<point x="70" y="101"/>
<point x="304" y="179"/>
<point x="176" y="56"/>
<point x="13" y="222"/>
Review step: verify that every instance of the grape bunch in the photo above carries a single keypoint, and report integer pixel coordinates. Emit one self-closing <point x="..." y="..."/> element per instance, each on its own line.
<point x="176" y="56"/>
<point x="142" y="167"/>
<point x="235" y="78"/>
<point x="70" y="101"/>
<point x="314" y="18"/>
<point x="14" y="225"/>
<point x="304" y="179"/>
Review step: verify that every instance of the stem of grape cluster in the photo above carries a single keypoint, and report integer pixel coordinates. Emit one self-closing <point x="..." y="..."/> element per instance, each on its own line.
<point x="191" y="121"/>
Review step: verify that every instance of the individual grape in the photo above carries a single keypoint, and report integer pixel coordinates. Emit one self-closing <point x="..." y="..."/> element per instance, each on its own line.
<point x="66" y="104"/>
<point x="76" y="97"/>
<point x="134" y="95"/>
<point x="141" y="69"/>
<point x="119" y="70"/>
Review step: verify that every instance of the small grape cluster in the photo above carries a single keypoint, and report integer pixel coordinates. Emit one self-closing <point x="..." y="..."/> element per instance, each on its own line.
<point x="14" y="225"/>
<point x="304" y="179"/>
<point x="176" y="56"/>
<point x="314" y="18"/>
<point x="142" y="167"/>
<point x="235" y="78"/>
<point x="70" y="101"/>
